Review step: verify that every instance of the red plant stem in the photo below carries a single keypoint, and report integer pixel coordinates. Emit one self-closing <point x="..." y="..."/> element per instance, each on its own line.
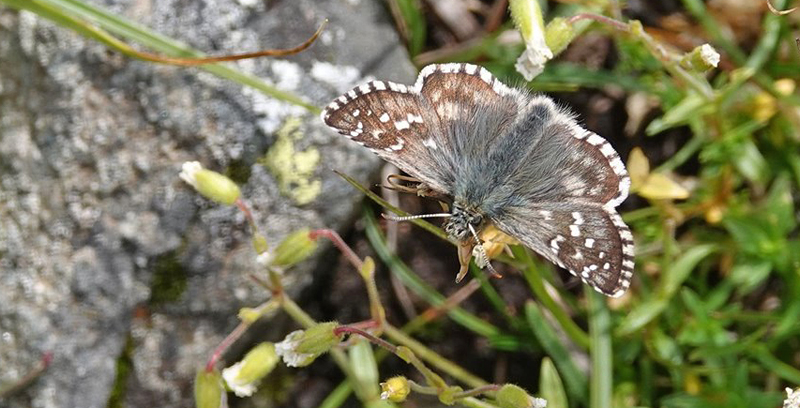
<point x="226" y="343"/>
<point x="339" y="243"/>
<point x="377" y="340"/>
<point x="44" y="362"/>
<point x="246" y="210"/>
<point x="600" y="19"/>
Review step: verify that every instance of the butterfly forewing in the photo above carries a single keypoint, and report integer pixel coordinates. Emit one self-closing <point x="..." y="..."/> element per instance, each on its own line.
<point x="393" y="121"/>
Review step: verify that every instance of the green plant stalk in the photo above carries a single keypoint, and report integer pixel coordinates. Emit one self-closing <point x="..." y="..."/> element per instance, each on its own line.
<point x="601" y="386"/>
<point x="536" y="283"/>
<point x="433" y="358"/>
<point x="80" y="18"/>
<point x="473" y="402"/>
<point x="339" y="395"/>
<point x="783" y="370"/>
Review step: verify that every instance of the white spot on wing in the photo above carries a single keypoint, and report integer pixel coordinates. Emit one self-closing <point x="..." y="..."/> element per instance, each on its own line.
<point x="384" y="118"/>
<point x="398" y="145"/>
<point x="574" y="230"/>
<point x="430" y="143"/>
<point x="589" y="243"/>
<point x="400" y="125"/>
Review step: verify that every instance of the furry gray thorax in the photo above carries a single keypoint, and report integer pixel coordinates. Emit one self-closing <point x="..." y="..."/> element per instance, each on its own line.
<point x="457" y="226"/>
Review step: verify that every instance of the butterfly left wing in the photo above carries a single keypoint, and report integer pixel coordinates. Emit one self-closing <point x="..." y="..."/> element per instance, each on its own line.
<point x="396" y="123"/>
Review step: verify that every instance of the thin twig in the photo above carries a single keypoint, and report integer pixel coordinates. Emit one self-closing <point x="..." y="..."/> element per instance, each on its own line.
<point x="779" y="12"/>
<point x="600" y="19"/>
<point x="235" y="57"/>
<point x="340" y="244"/>
<point x="225" y="345"/>
<point x="29" y="378"/>
<point x="374" y="339"/>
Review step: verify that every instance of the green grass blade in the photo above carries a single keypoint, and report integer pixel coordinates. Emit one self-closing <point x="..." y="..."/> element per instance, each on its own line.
<point x="600" y="390"/>
<point x="575" y="379"/>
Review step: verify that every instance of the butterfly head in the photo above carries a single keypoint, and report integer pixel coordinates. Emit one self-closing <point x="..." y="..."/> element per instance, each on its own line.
<point x="458" y="225"/>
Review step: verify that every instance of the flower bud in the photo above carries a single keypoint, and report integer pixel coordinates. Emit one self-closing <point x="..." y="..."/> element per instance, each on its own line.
<point x="395" y="389"/>
<point x="558" y="34"/>
<point x="260" y="244"/>
<point x="527" y="16"/>
<point x="294" y="248"/>
<point x="513" y="396"/>
<point x="701" y="59"/>
<point x="210" y="184"/>
<point x="208" y="390"/>
<point x="301" y="347"/>
<point x="243" y="377"/>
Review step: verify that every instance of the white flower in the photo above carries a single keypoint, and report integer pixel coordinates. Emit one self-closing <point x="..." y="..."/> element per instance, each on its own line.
<point x="189" y="172"/>
<point x="527" y="16"/>
<point x="531" y="62"/>
<point x="792" y="398"/>
<point x="287" y="350"/>
<point x="240" y="387"/>
<point x="709" y="55"/>
<point x="539" y="403"/>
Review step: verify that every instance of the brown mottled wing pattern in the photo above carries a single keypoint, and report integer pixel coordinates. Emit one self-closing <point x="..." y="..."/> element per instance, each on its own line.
<point x="573" y="221"/>
<point x="516" y="157"/>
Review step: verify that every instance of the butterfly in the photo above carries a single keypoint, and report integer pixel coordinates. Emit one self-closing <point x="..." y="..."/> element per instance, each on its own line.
<point x="504" y="157"/>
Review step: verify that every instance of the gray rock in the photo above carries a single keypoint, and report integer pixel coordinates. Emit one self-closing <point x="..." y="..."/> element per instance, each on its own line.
<point x="101" y="245"/>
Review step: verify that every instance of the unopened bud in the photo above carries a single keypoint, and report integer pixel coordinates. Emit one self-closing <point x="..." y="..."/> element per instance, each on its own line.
<point x="558" y="34"/>
<point x="208" y="390"/>
<point x="513" y="396"/>
<point x="300" y="348"/>
<point x="701" y="59"/>
<point x="243" y="377"/>
<point x="395" y="389"/>
<point x="210" y="184"/>
<point x="294" y="248"/>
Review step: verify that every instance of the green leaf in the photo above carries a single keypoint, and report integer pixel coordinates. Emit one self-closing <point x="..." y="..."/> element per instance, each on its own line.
<point x="576" y="381"/>
<point x="690" y="107"/>
<point x="550" y="386"/>
<point x="672" y="279"/>
<point x="365" y="370"/>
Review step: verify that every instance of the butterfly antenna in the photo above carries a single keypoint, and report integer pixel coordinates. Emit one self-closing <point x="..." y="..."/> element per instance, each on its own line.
<point x="415" y="217"/>
<point x="482" y="253"/>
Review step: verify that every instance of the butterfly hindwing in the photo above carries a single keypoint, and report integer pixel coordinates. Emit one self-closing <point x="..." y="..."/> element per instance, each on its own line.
<point x="561" y="200"/>
<point x="590" y="241"/>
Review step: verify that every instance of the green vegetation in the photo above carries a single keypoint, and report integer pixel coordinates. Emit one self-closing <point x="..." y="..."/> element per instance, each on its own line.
<point x="713" y="316"/>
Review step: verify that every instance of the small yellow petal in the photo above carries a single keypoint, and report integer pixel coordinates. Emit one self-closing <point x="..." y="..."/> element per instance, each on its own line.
<point x="658" y="186"/>
<point x="638" y="168"/>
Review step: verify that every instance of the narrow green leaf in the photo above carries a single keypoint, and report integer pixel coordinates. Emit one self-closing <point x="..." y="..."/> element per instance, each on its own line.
<point x="671" y="280"/>
<point x="575" y="379"/>
<point x="550" y="386"/>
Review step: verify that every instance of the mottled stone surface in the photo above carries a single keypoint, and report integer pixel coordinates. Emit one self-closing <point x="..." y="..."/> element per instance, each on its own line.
<point x="101" y="244"/>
